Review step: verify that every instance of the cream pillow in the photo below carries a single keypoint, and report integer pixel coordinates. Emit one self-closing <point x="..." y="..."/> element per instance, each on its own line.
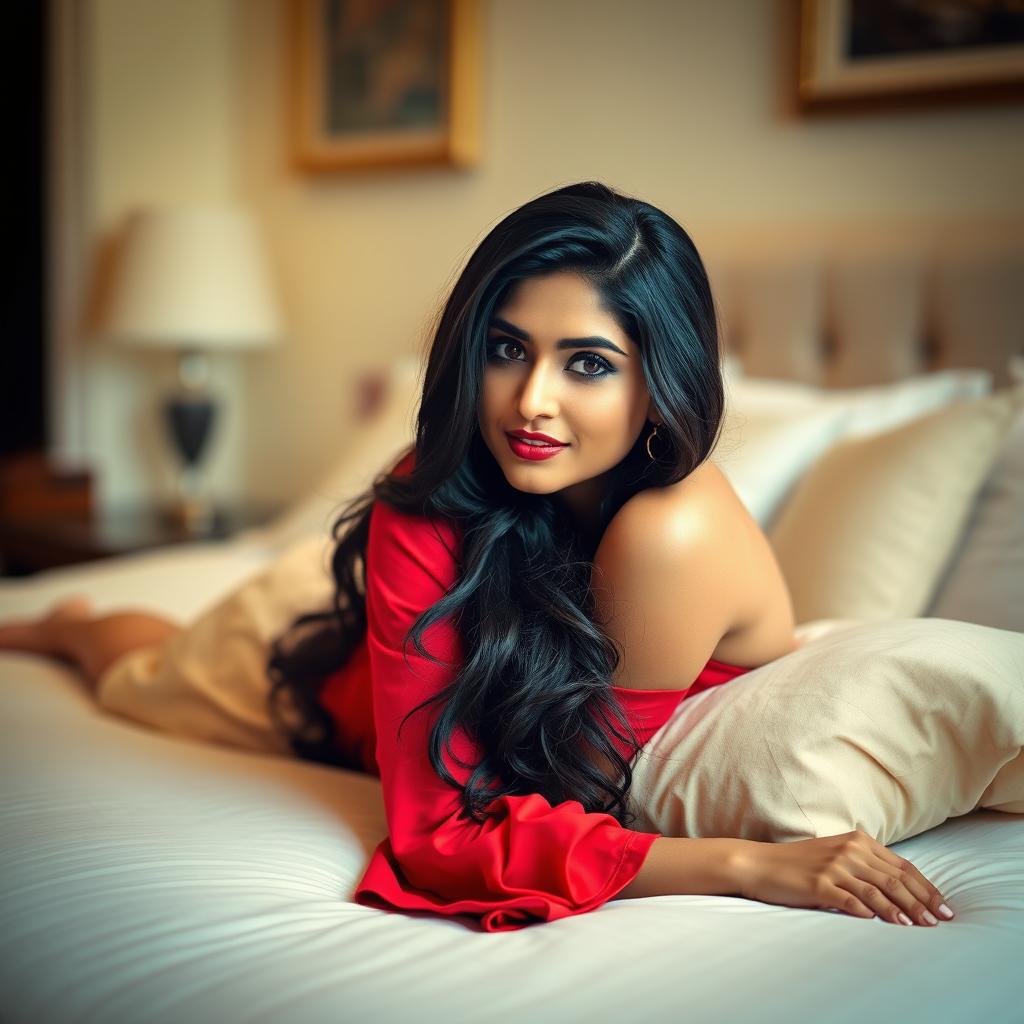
<point x="890" y="727"/>
<point x="984" y="581"/>
<point x="871" y="408"/>
<point x="773" y="430"/>
<point x="209" y="682"/>
<point x="764" y="454"/>
<point x="867" y="531"/>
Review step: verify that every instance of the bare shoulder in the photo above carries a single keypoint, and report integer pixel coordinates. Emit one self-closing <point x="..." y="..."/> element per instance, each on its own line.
<point x="701" y="512"/>
<point x="695" y="503"/>
<point x="693" y="552"/>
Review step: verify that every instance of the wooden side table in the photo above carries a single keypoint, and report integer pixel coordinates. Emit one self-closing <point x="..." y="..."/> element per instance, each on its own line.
<point x="30" y="545"/>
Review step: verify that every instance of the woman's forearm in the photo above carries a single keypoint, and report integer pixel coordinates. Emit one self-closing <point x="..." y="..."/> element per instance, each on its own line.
<point x="677" y="866"/>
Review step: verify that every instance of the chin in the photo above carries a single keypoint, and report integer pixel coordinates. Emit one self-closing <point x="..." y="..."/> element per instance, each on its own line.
<point x="529" y="483"/>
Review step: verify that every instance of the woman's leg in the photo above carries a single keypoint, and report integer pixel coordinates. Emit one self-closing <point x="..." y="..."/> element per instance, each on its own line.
<point x="71" y="632"/>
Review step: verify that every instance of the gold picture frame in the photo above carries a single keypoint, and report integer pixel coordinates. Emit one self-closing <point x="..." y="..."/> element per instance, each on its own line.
<point x="869" y="55"/>
<point x="384" y="83"/>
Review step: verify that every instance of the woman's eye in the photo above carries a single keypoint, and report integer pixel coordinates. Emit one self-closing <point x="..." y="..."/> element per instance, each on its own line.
<point x="587" y="359"/>
<point x="593" y="365"/>
<point x="495" y="345"/>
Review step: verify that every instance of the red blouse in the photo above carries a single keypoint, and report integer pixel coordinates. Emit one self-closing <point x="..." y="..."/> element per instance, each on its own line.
<point x="535" y="861"/>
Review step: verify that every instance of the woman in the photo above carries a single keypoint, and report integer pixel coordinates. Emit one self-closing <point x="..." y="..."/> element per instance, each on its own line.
<point x="566" y="565"/>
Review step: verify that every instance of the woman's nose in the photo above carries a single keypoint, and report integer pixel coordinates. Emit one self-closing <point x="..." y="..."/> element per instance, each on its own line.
<point x="538" y="396"/>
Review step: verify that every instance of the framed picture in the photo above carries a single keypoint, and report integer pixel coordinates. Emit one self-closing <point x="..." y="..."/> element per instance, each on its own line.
<point x="870" y="54"/>
<point x="383" y="83"/>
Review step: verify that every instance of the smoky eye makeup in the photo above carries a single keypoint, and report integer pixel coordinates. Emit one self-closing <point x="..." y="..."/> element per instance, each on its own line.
<point x="495" y="345"/>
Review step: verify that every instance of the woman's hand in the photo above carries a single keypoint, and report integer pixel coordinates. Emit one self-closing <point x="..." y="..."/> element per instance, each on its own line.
<point x="851" y="872"/>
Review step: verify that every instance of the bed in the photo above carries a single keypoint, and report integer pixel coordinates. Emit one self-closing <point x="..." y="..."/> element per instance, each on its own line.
<point x="155" y="876"/>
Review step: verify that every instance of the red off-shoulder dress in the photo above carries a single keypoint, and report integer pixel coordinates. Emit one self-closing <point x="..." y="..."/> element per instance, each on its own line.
<point x="535" y="861"/>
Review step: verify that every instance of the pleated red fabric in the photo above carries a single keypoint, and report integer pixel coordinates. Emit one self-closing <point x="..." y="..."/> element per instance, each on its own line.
<point x="535" y="861"/>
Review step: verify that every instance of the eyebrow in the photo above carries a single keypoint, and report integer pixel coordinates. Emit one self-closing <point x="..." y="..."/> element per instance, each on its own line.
<point x="594" y="341"/>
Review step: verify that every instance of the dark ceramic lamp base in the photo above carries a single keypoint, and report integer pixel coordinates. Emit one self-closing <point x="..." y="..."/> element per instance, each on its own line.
<point x="190" y="420"/>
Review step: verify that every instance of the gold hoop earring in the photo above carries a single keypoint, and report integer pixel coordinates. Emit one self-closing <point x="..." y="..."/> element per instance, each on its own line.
<point x="650" y="438"/>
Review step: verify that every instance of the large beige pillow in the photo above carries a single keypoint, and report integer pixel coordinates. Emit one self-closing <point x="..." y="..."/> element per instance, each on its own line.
<point x="869" y="409"/>
<point x="765" y="454"/>
<point x="984" y="581"/>
<point x="890" y="727"/>
<point x="867" y="530"/>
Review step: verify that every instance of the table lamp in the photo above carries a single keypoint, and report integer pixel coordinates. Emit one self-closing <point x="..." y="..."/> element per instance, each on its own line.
<point x="192" y="279"/>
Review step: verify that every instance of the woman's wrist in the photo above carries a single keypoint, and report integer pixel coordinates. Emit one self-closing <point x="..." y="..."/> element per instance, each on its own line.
<point x="742" y="861"/>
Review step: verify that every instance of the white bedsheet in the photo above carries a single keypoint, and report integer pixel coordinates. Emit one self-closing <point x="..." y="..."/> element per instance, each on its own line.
<point x="151" y="878"/>
<point x="180" y="581"/>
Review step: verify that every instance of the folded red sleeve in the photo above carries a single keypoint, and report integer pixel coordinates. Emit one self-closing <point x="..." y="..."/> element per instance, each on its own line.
<point x="534" y="861"/>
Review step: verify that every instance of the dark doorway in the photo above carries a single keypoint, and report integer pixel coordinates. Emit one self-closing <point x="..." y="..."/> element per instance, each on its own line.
<point x="23" y="361"/>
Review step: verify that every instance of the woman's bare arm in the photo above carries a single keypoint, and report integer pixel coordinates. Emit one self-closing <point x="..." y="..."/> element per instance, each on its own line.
<point x="669" y="584"/>
<point x="678" y="866"/>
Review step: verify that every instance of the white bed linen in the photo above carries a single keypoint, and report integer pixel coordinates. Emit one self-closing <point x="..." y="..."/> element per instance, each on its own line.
<point x="152" y="878"/>
<point x="179" y="582"/>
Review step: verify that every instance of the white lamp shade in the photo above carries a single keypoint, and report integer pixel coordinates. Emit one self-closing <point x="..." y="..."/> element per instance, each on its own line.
<point x="193" y="277"/>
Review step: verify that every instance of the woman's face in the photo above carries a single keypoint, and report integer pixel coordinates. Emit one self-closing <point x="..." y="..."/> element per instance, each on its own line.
<point x="560" y="365"/>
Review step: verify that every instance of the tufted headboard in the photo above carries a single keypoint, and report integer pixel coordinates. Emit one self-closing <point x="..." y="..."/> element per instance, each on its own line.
<point x="855" y="305"/>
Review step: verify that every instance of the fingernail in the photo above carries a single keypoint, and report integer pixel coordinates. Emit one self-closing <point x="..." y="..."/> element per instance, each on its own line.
<point x="945" y="911"/>
<point x="930" y="917"/>
<point x="903" y="917"/>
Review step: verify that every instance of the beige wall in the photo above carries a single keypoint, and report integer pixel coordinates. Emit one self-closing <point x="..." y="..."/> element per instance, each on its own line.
<point x="677" y="102"/>
<point x="162" y="120"/>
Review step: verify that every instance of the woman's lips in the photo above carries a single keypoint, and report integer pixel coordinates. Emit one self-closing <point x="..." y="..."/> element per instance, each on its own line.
<point x="533" y="452"/>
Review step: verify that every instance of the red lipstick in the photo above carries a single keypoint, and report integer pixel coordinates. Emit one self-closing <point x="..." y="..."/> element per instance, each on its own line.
<point x="531" y="436"/>
<point x="545" y="447"/>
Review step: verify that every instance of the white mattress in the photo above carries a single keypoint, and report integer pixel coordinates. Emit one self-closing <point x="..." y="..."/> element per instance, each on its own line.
<point x="151" y="878"/>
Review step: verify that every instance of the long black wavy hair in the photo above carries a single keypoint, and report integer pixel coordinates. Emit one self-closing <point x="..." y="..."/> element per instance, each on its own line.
<point x="534" y="688"/>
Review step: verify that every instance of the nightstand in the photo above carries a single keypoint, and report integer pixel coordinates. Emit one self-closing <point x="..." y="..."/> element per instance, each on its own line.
<point x="30" y="545"/>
